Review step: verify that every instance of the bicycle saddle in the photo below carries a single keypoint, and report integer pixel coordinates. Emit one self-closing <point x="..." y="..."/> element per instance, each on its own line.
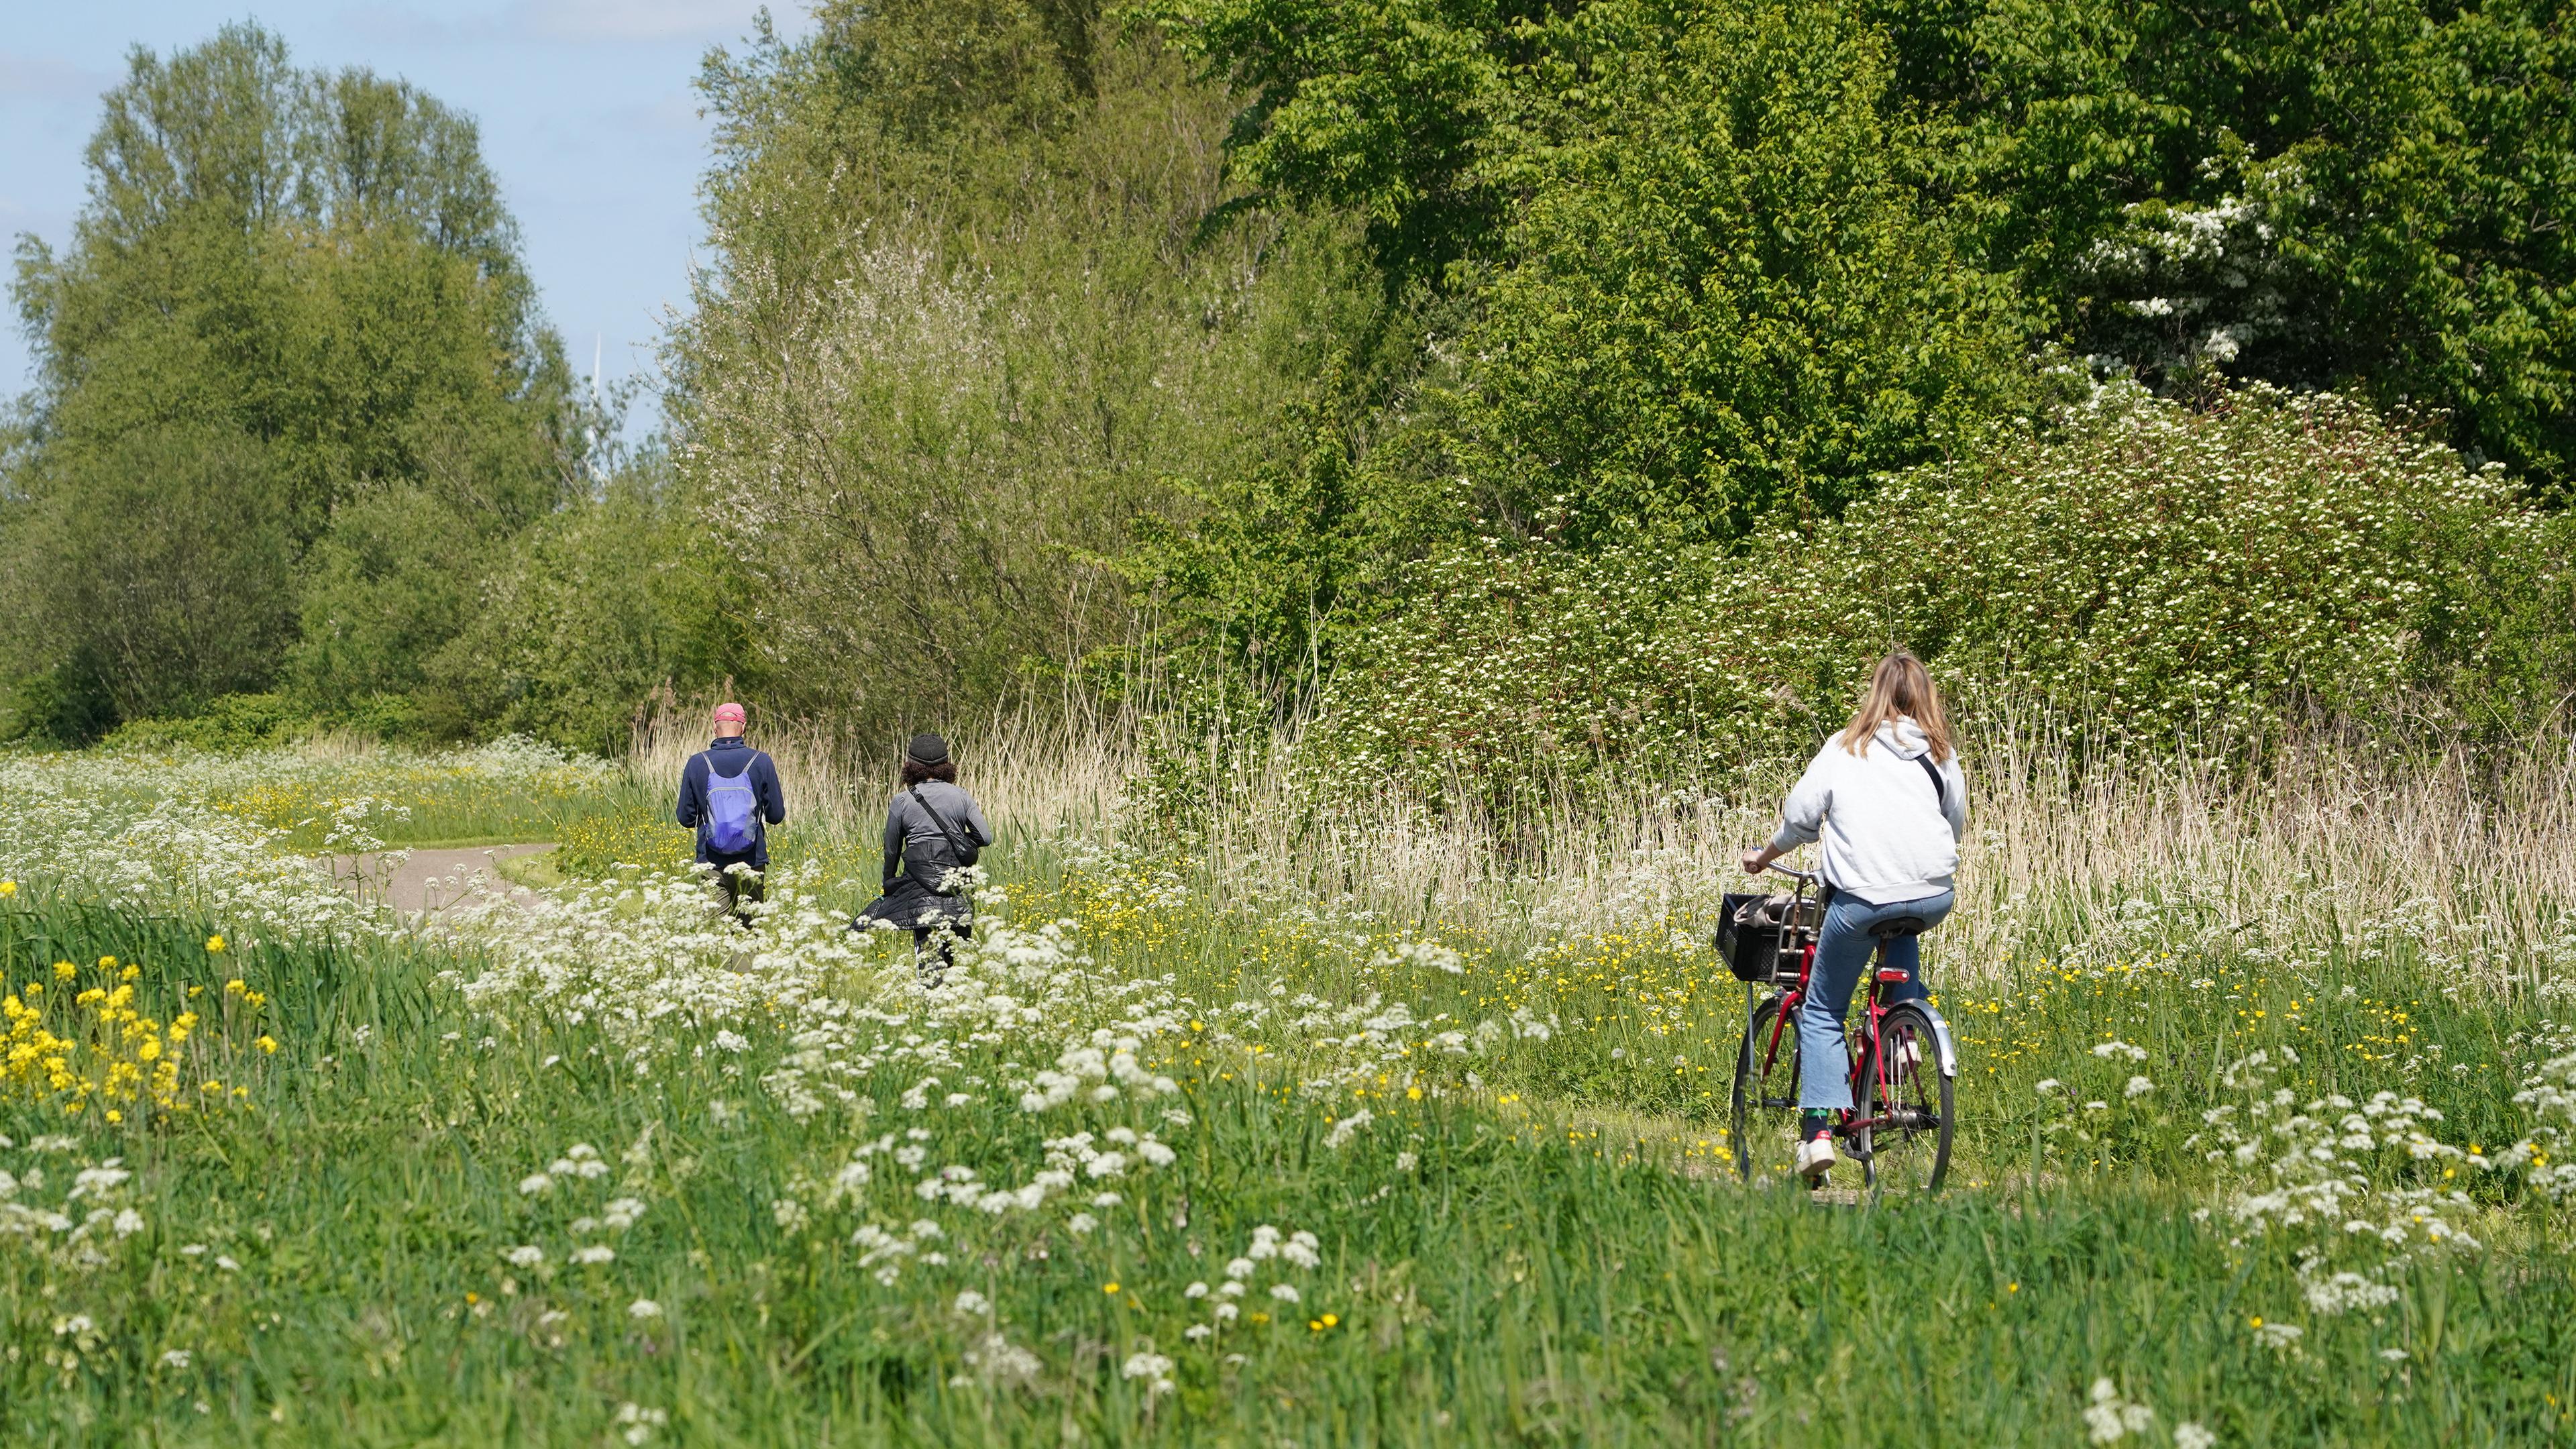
<point x="1895" y="926"/>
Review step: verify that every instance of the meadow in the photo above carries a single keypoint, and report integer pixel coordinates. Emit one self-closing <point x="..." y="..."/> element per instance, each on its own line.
<point x="1291" y="1123"/>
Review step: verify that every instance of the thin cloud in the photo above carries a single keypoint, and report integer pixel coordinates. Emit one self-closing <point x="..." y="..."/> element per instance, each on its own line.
<point x="639" y="19"/>
<point x="47" y="78"/>
<point x="17" y="216"/>
<point x="404" y="25"/>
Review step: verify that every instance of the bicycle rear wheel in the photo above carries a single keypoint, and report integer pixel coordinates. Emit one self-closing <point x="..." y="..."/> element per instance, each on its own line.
<point x="1910" y="1153"/>
<point x="1765" y="1140"/>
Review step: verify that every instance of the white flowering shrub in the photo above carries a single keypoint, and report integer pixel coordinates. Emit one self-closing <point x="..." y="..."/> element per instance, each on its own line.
<point x="2186" y="287"/>
<point x="2140" y="566"/>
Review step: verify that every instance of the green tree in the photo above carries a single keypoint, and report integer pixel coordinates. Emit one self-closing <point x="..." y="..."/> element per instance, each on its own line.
<point x="2368" y="195"/>
<point x="1387" y="108"/>
<point x="591" y="610"/>
<point x="1734" y="285"/>
<point x="170" y="545"/>
<point x="1715" y="262"/>
<point x="316" y="269"/>
<point x="969" y="329"/>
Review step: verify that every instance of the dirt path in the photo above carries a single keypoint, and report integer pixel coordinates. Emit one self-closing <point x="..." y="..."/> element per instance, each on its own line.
<point x="433" y="880"/>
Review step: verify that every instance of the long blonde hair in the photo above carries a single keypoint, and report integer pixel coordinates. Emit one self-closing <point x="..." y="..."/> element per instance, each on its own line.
<point x="1900" y="687"/>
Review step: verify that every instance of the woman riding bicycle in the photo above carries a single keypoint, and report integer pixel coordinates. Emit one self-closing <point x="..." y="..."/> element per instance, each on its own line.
<point x="1888" y="799"/>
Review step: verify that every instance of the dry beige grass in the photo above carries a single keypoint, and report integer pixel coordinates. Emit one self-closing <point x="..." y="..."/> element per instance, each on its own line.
<point x="1035" y="775"/>
<point x="2324" y="842"/>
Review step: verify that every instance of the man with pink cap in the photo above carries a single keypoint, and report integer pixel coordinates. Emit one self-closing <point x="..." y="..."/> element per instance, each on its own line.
<point x="729" y="794"/>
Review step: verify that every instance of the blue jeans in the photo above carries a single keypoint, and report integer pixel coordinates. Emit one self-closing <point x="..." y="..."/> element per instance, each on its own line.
<point x="1843" y="948"/>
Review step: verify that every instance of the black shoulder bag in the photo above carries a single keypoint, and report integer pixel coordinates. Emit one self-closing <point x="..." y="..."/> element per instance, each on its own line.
<point x="966" y="846"/>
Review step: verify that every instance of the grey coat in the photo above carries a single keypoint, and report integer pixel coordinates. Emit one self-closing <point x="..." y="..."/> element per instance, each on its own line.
<point x="918" y="855"/>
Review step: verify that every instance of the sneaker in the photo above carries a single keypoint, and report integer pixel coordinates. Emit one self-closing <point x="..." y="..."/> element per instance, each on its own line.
<point x="1815" y="1159"/>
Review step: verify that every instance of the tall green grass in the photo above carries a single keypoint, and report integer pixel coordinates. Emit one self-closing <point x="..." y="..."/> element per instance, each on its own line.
<point x="1541" y="1260"/>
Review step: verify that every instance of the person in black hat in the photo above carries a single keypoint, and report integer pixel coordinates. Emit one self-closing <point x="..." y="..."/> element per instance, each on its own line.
<point x="933" y="833"/>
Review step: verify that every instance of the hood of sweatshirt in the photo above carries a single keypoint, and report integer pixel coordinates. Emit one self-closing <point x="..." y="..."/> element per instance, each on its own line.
<point x="1902" y="735"/>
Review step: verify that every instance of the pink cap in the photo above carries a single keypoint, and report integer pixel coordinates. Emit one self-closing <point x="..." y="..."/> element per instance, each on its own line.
<point x="728" y="714"/>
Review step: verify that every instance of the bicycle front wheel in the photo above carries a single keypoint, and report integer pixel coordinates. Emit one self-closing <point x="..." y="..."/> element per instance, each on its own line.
<point x="1765" y="1141"/>
<point x="1908" y="1101"/>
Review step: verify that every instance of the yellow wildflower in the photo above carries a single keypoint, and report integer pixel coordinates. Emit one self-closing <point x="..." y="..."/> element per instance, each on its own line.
<point x="267" y="1044"/>
<point x="8" y="888"/>
<point x="235" y="987"/>
<point x="215" y="944"/>
<point x="65" y="971"/>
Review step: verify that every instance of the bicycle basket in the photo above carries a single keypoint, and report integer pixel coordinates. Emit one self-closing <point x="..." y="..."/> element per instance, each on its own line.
<point x="1759" y="940"/>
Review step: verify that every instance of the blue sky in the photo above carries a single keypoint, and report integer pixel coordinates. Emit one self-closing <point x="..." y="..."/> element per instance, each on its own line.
<point x="585" y="105"/>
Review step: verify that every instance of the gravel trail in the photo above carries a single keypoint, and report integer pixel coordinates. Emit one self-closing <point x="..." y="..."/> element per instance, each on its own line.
<point x="433" y="880"/>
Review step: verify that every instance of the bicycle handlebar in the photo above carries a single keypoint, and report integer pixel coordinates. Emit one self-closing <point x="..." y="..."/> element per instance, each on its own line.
<point x="1809" y="877"/>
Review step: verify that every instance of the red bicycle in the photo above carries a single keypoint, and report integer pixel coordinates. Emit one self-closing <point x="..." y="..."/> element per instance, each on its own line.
<point x="1900" y="1131"/>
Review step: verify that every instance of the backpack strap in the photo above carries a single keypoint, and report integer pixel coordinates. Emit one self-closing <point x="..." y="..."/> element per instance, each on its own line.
<point x="1940" y="792"/>
<point x="947" y="831"/>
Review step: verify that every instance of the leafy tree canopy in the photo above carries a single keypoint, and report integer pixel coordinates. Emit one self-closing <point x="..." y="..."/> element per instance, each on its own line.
<point x="1733" y="285"/>
<point x="309" y="279"/>
<point x="2369" y="195"/>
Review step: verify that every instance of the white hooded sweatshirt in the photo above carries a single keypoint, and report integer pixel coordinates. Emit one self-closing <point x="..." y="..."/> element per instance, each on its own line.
<point x="1887" y="838"/>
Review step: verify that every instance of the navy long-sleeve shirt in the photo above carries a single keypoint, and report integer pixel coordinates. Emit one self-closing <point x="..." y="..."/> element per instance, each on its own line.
<point x="730" y="758"/>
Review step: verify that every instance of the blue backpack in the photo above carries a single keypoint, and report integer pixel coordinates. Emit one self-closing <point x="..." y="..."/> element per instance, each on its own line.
<point x="733" y="810"/>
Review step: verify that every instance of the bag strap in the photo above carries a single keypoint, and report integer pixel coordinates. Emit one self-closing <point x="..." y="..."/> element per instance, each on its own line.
<point x="947" y="831"/>
<point x="1940" y="792"/>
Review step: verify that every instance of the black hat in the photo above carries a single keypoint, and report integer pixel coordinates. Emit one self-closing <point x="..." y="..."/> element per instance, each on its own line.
<point x="927" y="750"/>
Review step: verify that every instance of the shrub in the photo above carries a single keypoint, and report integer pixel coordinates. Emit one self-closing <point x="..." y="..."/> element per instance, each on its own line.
<point x="229" y="723"/>
<point x="2143" y="569"/>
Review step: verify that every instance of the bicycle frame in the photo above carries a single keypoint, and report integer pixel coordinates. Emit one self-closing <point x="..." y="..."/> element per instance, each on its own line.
<point x="1865" y="1047"/>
